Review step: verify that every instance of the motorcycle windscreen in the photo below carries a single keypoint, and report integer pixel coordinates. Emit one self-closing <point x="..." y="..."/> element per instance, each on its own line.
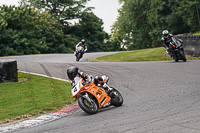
<point x="80" y="48"/>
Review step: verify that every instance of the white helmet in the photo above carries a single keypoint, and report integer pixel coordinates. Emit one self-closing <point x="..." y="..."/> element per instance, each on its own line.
<point x="165" y="33"/>
<point x="83" y="40"/>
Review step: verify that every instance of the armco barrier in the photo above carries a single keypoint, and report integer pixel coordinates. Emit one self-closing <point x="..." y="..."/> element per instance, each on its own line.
<point x="191" y="44"/>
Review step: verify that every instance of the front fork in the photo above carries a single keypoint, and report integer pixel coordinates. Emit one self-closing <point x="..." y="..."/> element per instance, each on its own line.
<point x="109" y="90"/>
<point x="107" y="87"/>
<point x="86" y="96"/>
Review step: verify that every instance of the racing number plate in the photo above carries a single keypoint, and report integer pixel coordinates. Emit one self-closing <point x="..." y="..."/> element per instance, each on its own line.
<point x="76" y="89"/>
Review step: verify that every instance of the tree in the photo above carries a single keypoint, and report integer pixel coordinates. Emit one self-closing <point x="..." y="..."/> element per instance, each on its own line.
<point x="90" y="27"/>
<point x="187" y="9"/>
<point x="177" y="16"/>
<point x="63" y="10"/>
<point x="140" y="23"/>
<point x="25" y="30"/>
<point x="163" y="15"/>
<point x="132" y="24"/>
<point x="115" y="41"/>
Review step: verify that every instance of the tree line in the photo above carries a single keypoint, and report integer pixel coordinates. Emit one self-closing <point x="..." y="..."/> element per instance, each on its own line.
<point x="141" y="22"/>
<point x="44" y="26"/>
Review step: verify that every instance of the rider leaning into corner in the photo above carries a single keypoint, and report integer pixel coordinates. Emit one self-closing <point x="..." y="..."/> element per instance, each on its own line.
<point x="73" y="72"/>
<point x="83" y="44"/>
<point x="167" y="38"/>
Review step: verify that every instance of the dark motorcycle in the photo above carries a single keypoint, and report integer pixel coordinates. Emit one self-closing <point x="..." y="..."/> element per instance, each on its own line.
<point x="176" y="50"/>
<point x="80" y="52"/>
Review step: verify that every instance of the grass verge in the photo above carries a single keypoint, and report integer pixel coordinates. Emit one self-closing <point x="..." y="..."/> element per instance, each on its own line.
<point x="33" y="96"/>
<point x="151" y="54"/>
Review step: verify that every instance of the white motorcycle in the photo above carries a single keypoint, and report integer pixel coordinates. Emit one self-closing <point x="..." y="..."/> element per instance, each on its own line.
<point x="80" y="52"/>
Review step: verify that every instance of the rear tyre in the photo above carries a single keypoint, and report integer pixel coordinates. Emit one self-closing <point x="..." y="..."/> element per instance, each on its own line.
<point x="90" y="108"/>
<point x="116" y="98"/>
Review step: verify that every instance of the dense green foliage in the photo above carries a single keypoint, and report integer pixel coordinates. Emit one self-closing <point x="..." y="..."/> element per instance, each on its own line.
<point x="63" y="10"/>
<point x="28" y="31"/>
<point x="141" y="22"/>
<point x="43" y="27"/>
<point x="90" y="27"/>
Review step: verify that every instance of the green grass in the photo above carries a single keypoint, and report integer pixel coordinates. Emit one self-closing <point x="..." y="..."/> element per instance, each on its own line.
<point x="33" y="96"/>
<point x="151" y="54"/>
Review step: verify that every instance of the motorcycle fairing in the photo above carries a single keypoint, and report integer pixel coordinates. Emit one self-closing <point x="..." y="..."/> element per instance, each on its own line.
<point x="99" y="94"/>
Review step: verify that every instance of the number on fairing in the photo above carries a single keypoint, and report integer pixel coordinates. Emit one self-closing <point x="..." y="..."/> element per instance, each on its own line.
<point x="76" y="89"/>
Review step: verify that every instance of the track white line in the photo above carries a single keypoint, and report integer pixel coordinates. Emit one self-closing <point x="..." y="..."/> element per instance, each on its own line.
<point x="45" y="76"/>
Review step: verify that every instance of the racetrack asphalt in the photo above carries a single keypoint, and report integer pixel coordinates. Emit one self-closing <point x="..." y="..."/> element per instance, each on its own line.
<point x="159" y="97"/>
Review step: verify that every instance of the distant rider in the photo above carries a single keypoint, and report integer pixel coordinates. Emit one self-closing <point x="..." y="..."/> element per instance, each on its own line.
<point x="83" y="44"/>
<point x="167" y="38"/>
<point x="73" y="72"/>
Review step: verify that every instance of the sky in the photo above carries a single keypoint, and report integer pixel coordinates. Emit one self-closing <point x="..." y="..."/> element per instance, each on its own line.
<point x="107" y="10"/>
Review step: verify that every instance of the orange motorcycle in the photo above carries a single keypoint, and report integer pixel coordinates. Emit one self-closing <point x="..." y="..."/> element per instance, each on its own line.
<point x="91" y="97"/>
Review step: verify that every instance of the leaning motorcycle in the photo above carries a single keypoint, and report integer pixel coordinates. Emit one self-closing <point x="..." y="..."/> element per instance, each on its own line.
<point x="177" y="51"/>
<point x="91" y="97"/>
<point x="80" y="52"/>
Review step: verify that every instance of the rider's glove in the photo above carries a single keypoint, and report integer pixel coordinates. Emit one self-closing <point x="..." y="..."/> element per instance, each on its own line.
<point x="89" y="78"/>
<point x="83" y="82"/>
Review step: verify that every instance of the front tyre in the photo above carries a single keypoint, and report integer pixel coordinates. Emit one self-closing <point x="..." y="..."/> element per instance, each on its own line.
<point x="78" y="57"/>
<point x="183" y="56"/>
<point x="116" y="98"/>
<point x="175" y="57"/>
<point x="85" y="105"/>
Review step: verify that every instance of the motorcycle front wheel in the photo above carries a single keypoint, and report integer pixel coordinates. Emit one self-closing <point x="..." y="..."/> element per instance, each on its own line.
<point x="175" y="56"/>
<point x="78" y="56"/>
<point x="182" y="56"/>
<point x="86" y="106"/>
<point x="116" y="98"/>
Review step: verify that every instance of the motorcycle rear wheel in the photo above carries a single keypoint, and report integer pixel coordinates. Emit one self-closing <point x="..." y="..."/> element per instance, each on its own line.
<point x="116" y="99"/>
<point x="90" y="108"/>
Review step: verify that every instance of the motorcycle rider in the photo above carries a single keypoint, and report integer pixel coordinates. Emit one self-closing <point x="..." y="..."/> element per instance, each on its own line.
<point x="167" y="38"/>
<point x="73" y="72"/>
<point x="83" y="44"/>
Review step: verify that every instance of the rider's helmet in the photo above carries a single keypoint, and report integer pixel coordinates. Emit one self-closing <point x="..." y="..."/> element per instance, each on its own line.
<point x="165" y="33"/>
<point x="83" y="41"/>
<point x="72" y="72"/>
